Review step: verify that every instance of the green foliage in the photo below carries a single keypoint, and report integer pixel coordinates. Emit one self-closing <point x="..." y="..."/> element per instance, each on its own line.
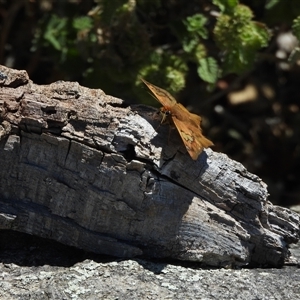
<point x="239" y="38"/>
<point x="166" y="71"/>
<point x="195" y="24"/>
<point x="60" y="33"/>
<point x="56" y="32"/>
<point x="271" y="3"/>
<point x="208" y="69"/>
<point x="117" y="41"/>
<point x="225" y="5"/>
<point x="296" y="27"/>
<point x="83" y="23"/>
<point x="192" y="35"/>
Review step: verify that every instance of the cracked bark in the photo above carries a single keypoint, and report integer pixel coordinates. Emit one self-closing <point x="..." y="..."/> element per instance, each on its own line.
<point x="79" y="168"/>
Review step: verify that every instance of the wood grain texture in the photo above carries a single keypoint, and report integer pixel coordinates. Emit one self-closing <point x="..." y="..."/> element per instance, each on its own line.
<point x="79" y="168"/>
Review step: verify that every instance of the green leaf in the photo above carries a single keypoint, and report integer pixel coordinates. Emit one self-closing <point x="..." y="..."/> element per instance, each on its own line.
<point x="82" y="23"/>
<point x="294" y="56"/>
<point x="56" y="32"/>
<point x="189" y="44"/>
<point x="226" y="5"/>
<point x="271" y="3"/>
<point x="200" y="52"/>
<point x="296" y="27"/>
<point x="196" y="24"/>
<point x="208" y="69"/>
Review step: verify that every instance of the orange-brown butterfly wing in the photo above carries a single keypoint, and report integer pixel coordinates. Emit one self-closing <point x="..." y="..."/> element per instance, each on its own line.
<point x="188" y="126"/>
<point x="165" y="98"/>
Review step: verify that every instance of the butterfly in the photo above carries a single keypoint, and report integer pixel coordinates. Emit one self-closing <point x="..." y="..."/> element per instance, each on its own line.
<point x="187" y="124"/>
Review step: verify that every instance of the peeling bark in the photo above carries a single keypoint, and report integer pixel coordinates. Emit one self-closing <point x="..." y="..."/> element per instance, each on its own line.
<point x="80" y="168"/>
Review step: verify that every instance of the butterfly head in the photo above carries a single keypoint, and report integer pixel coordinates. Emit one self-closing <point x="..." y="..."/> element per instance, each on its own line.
<point x="166" y="113"/>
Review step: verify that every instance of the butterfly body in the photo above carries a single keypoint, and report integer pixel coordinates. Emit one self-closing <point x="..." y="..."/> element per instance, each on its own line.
<point x="187" y="124"/>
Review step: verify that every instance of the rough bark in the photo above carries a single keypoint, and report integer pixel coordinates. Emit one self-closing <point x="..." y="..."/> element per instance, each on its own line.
<point x="79" y="167"/>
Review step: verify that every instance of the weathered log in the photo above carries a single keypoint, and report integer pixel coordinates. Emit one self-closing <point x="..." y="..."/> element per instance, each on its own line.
<point x="79" y="168"/>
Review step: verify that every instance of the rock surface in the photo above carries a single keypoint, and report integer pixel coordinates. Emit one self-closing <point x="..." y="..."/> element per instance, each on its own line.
<point x="36" y="269"/>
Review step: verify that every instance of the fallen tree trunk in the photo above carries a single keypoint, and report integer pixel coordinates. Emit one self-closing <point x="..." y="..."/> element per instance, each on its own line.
<point x="79" y="168"/>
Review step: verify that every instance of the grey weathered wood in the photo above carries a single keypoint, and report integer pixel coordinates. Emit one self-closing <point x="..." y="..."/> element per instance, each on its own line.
<point x="79" y="168"/>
